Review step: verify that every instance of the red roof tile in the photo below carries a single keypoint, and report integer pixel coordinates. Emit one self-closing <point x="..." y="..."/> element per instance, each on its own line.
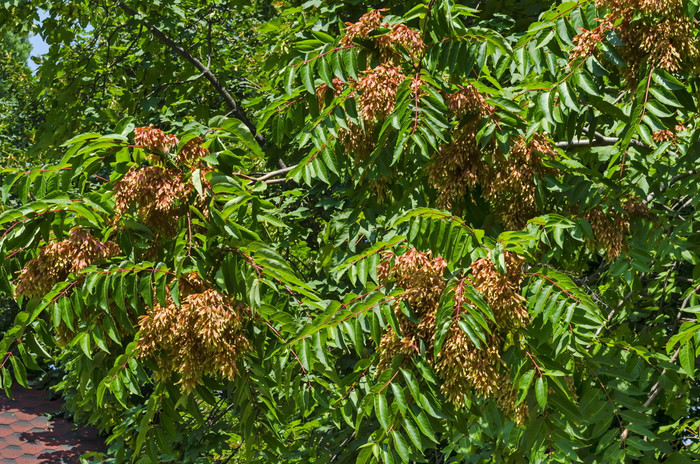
<point x="27" y="436"/>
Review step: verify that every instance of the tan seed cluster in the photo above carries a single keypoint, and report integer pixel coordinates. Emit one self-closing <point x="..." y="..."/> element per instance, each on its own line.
<point x="663" y="136"/>
<point x="154" y="139"/>
<point x="510" y="188"/>
<point x="155" y="193"/>
<point x="375" y="90"/>
<point x="462" y="367"/>
<point x="378" y="92"/>
<point x="203" y="336"/>
<point x="612" y="230"/>
<point x="421" y="278"/>
<point x="191" y="153"/>
<point x="502" y="291"/>
<point x="507" y="182"/>
<point x="656" y="31"/>
<point x="459" y="165"/>
<point x="58" y="259"/>
<point x="587" y="41"/>
<point x="400" y="35"/>
<point x="363" y="27"/>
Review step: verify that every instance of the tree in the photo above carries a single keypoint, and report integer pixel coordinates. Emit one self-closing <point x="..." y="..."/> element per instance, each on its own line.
<point x="20" y="112"/>
<point x="480" y="246"/>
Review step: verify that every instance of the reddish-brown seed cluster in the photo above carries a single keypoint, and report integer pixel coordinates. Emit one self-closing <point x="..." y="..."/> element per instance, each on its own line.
<point x="587" y="41"/>
<point x="58" y="259"/>
<point x="663" y="136"/>
<point x="363" y="27"/>
<point x="191" y="153"/>
<point x="510" y="188"/>
<point x="507" y="182"/>
<point x="463" y="367"/>
<point x="612" y="230"/>
<point x="154" y="139"/>
<point x="155" y="193"/>
<point x="466" y="369"/>
<point x="203" y="336"/>
<point x="502" y="291"/>
<point x="655" y="31"/>
<point x="399" y="36"/>
<point x="421" y="278"/>
<point x="459" y="165"/>
<point x="377" y="90"/>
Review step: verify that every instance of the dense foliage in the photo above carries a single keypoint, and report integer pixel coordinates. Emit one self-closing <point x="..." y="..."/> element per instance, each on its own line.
<point x="417" y="232"/>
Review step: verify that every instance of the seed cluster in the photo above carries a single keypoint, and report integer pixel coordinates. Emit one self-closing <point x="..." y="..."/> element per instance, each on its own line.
<point x="510" y="188"/>
<point x="191" y="153"/>
<point x="400" y="36"/>
<point x="459" y="165"/>
<point x="58" y="259"/>
<point x="612" y="230"/>
<point x="375" y="90"/>
<point x="502" y="291"/>
<point x="155" y="193"/>
<point x="154" y="139"/>
<point x="657" y="31"/>
<point x="420" y="277"/>
<point x="507" y="182"/>
<point x="463" y="367"/>
<point x="203" y="336"/>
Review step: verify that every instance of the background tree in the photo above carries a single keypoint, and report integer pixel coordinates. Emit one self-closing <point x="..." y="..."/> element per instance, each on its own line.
<point x="479" y="246"/>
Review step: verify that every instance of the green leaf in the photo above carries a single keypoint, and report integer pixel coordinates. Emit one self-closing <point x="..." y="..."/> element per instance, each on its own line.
<point x="687" y="358"/>
<point x="20" y="371"/>
<point x="541" y="391"/>
<point x="401" y="446"/>
<point x="380" y="405"/>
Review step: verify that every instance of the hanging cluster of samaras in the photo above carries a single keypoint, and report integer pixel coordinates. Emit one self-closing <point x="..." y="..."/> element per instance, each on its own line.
<point x="203" y="333"/>
<point x="655" y="31"/>
<point x="463" y="367"/>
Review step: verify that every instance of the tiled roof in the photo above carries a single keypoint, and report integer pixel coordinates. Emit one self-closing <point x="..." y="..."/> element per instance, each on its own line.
<point x="27" y="436"/>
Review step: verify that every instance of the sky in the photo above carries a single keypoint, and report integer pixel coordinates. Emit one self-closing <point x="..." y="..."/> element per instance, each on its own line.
<point x="39" y="47"/>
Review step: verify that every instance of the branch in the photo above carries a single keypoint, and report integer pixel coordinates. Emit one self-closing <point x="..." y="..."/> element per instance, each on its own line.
<point x="598" y="140"/>
<point x="268" y="178"/>
<point x="230" y="101"/>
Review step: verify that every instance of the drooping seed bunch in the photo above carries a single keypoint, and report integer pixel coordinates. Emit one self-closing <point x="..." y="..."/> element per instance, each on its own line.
<point x="463" y="367"/>
<point x="510" y="188"/>
<point x="363" y="27"/>
<point x="191" y="153"/>
<point x="421" y="278"/>
<point x="203" y="336"/>
<point x="656" y="31"/>
<point x="375" y="90"/>
<point x="399" y="36"/>
<point x="58" y="259"/>
<point x="502" y="291"/>
<point x="612" y="229"/>
<point x="156" y="193"/>
<point x="459" y="165"/>
<point x="507" y="182"/>
<point x="587" y="41"/>
<point x="466" y="369"/>
<point x="154" y="139"/>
